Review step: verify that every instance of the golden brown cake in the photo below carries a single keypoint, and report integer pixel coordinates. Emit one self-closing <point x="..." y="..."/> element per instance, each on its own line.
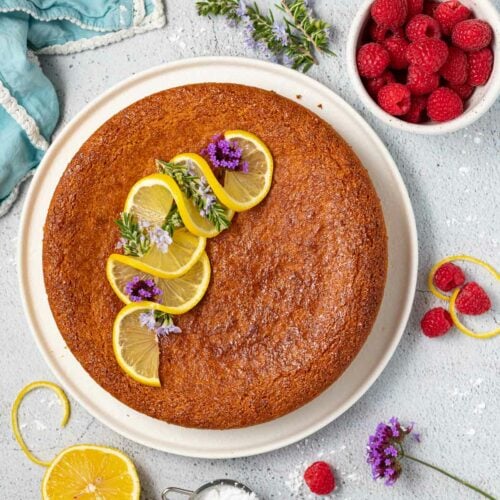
<point x="296" y="282"/>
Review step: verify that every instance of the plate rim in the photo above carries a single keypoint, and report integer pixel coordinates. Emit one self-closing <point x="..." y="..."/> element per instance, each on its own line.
<point x="308" y="429"/>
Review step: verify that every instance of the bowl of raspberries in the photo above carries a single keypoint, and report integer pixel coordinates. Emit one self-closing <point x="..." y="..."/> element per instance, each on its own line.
<point x="426" y="66"/>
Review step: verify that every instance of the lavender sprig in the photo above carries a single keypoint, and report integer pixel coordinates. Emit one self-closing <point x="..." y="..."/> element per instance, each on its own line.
<point x="173" y="221"/>
<point x="134" y="240"/>
<point x="196" y="188"/>
<point x="385" y="451"/>
<point x="295" y="42"/>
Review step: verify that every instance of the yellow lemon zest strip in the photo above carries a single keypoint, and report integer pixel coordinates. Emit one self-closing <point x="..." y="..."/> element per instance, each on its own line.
<point x="14" y="415"/>
<point x="463" y="328"/>
<point x="468" y="258"/>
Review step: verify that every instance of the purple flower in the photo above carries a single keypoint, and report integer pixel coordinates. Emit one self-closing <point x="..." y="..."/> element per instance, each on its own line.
<point x="384" y="450"/>
<point x="148" y="320"/>
<point x="241" y="10"/>
<point x="159" y="322"/>
<point x="121" y="243"/>
<point x="167" y="329"/>
<point x="139" y="289"/>
<point x="280" y="34"/>
<point x="160" y="238"/>
<point x="225" y="154"/>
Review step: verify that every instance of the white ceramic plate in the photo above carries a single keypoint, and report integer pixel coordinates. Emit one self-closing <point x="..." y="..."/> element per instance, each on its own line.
<point x="378" y="348"/>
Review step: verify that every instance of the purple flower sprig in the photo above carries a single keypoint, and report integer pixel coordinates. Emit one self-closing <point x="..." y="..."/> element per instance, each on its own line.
<point x="139" y="289"/>
<point x="222" y="153"/>
<point x="159" y="322"/>
<point x="385" y="451"/>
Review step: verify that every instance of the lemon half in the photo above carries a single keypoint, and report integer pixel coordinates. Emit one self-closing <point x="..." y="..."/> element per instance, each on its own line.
<point x="93" y="473"/>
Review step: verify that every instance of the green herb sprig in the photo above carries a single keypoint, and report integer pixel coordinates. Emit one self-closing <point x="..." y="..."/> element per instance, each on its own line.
<point x="173" y="221"/>
<point x="134" y="240"/>
<point x="196" y="189"/>
<point x="295" y="42"/>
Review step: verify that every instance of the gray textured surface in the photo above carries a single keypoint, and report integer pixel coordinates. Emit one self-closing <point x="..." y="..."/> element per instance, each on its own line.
<point x="450" y="386"/>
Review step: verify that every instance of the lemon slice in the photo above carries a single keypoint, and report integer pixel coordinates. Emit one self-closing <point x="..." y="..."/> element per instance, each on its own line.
<point x="15" y="409"/>
<point x="91" y="472"/>
<point x="241" y="191"/>
<point x="135" y="346"/>
<point x="183" y="253"/>
<point x="178" y="296"/>
<point x="165" y="192"/>
<point x="150" y="199"/>
<point x="249" y="189"/>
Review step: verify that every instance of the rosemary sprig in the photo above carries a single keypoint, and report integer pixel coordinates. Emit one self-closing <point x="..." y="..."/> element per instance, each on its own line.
<point x="314" y="30"/>
<point x="226" y="8"/>
<point x="295" y="42"/>
<point x="134" y="240"/>
<point x="196" y="189"/>
<point x="173" y="221"/>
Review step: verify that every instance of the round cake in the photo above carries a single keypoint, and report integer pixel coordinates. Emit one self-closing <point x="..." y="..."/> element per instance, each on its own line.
<point x="296" y="282"/>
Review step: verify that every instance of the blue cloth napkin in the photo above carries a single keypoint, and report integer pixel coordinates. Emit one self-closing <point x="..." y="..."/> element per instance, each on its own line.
<point x="29" y="110"/>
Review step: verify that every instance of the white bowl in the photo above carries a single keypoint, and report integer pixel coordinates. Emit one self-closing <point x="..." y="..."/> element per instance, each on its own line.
<point x="481" y="100"/>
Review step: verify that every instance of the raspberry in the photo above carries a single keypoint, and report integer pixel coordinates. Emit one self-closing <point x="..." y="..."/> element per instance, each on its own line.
<point x="471" y="35"/>
<point x="372" y="60"/>
<point x="448" y="276"/>
<point x="420" y="81"/>
<point x="375" y="84"/>
<point x="444" y="104"/>
<point x="480" y="66"/>
<point x="395" y="98"/>
<point x="430" y="7"/>
<point x="456" y="68"/>
<point x="450" y="13"/>
<point x="430" y="54"/>
<point x="464" y="91"/>
<point x="320" y="479"/>
<point x="396" y="47"/>
<point x="379" y="33"/>
<point x="436" y="322"/>
<point x="417" y="110"/>
<point x="473" y="300"/>
<point x="415" y="7"/>
<point x="389" y="13"/>
<point x="422" y="26"/>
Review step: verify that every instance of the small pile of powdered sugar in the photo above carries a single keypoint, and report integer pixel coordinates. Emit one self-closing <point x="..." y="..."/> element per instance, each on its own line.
<point x="226" y="492"/>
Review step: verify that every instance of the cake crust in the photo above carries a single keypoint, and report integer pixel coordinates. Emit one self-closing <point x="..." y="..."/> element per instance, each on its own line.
<point x="296" y="282"/>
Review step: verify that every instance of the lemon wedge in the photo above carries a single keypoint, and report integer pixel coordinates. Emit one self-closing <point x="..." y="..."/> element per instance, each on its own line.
<point x="136" y="346"/>
<point x="93" y="473"/>
<point x="150" y="200"/>
<point x="178" y="295"/>
<point x="241" y="191"/>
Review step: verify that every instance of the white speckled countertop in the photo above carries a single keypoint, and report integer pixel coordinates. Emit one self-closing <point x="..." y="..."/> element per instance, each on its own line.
<point x="450" y="386"/>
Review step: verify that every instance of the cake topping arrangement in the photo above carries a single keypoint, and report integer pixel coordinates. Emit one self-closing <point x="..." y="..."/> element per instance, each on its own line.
<point x="167" y="218"/>
<point x="467" y="298"/>
<point x="414" y="49"/>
